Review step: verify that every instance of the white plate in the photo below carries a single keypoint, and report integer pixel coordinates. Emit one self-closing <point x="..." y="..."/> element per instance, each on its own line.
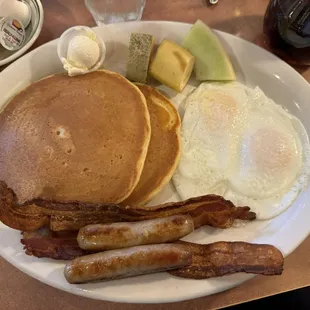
<point x="254" y="66"/>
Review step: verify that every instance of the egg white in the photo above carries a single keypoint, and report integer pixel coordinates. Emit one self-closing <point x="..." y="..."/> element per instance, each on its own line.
<point x="211" y="128"/>
<point x="239" y="144"/>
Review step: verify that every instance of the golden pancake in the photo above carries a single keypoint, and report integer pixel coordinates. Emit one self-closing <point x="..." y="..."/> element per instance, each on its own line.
<point x="79" y="138"/>
<point x="164" y="149"/>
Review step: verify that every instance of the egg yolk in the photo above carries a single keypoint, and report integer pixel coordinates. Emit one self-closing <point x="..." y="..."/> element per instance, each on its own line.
<point x="219" y="109"/>
<point x="272" y="150"/>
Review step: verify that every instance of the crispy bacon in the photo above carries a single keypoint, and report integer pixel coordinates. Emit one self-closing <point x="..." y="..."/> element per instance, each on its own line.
<point x="56" y="245"/>
<point x="223" y="258"/>
<point x="58" y="216"/>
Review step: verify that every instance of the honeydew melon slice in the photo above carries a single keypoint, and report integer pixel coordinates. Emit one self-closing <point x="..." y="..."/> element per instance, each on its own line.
<point x="211" y="60"/>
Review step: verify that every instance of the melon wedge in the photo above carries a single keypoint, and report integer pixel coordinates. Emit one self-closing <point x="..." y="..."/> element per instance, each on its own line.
<point x="172" y="65"/>
<point x="140" y="50"/>
<point x="211" y="60"/>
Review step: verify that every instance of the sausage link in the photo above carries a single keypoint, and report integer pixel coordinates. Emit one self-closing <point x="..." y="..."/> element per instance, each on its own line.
<point x="122" y="235"/>
<point x="128" y="262"/>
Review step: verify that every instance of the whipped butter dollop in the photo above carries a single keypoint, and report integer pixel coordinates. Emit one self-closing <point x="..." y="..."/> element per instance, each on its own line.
<point x="83" y="53"/>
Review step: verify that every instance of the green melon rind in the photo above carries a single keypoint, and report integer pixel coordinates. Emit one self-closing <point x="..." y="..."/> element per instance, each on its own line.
<point x="211" y="60"/>
<point x="140" y="49"/>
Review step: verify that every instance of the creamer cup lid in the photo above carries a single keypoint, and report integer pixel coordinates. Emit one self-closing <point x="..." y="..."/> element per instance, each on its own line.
<point x="12" y="33"/>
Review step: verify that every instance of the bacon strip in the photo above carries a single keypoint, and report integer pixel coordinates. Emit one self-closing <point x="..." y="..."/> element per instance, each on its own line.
<point x="30" y="216"/>
<point x="223" y="258"/>
<point x="56" y="245"/>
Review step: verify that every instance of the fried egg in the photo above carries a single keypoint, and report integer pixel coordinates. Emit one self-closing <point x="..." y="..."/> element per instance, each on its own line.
<point x="240" y="144"/>
<point x="211" y="126"/>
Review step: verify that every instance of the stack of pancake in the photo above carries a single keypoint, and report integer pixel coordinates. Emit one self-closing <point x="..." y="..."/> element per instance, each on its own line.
<point x="95" y="138"/>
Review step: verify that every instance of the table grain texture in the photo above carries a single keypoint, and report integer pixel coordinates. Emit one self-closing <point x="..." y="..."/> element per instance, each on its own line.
<point x="243" y="18"/>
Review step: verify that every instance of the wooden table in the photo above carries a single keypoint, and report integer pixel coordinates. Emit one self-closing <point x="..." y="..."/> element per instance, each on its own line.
<point x="243" y="18"/>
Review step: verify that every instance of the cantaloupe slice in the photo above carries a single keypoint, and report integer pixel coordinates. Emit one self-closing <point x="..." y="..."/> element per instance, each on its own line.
<point x="172" y="65"/>
<point x="140" y="49"/>
<point x="211" y="59"/>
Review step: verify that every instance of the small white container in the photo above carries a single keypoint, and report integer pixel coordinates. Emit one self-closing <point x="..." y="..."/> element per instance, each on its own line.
<point x="17" y="9"/>
<point x="62" y="47"/>
<point x="32" y="32"/>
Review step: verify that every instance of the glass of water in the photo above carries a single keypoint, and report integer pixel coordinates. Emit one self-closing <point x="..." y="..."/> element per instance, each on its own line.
<point x="115" y="11"/>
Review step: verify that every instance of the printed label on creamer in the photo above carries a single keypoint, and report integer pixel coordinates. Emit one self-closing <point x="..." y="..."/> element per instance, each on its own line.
<point x="12" y="34"/>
